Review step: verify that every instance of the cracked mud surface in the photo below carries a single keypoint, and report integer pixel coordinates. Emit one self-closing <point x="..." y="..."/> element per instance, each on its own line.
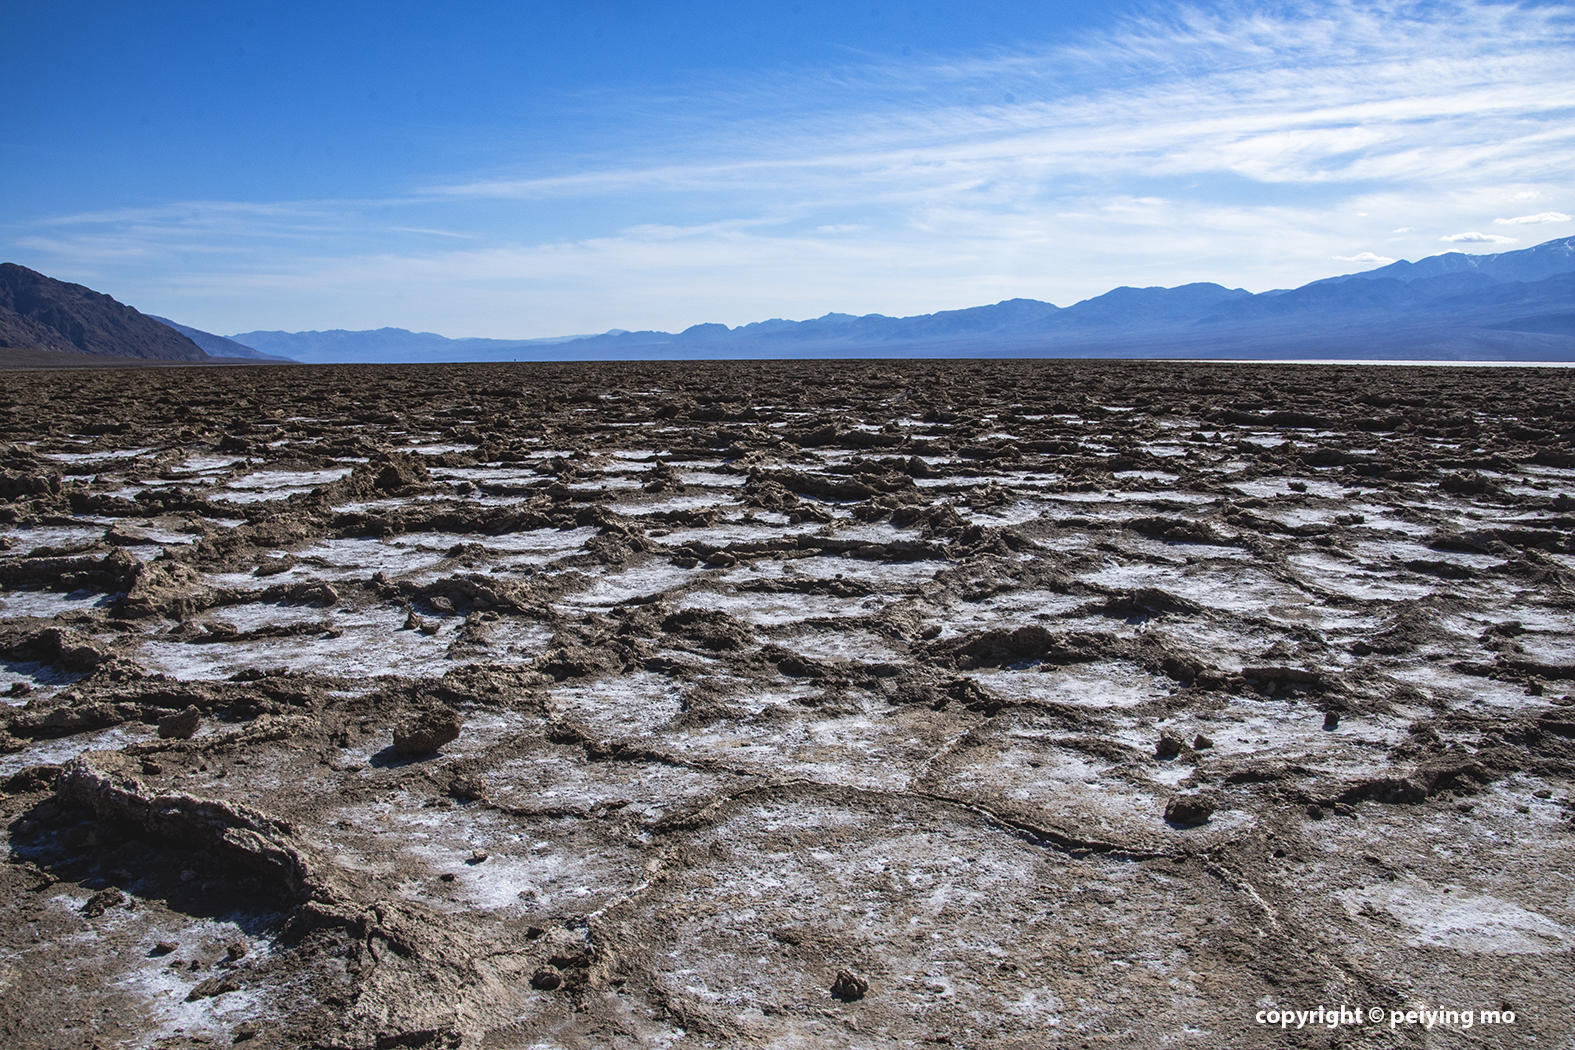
<point x="821" y="705"/>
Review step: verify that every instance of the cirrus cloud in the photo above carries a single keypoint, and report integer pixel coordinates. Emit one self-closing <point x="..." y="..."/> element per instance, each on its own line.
<point x="1532" y="220"/>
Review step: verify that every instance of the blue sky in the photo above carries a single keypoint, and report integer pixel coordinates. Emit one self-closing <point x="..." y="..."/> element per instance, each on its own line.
<point x="520" y="170"/>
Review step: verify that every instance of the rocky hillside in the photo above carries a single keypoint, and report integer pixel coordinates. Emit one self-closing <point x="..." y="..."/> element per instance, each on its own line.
<point x="41" y="313"/>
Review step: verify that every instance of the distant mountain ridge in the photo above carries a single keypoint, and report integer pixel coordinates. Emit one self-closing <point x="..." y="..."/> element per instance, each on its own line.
<point x="41" y="313"/>
<point x="395" y="345"/>
<point x="1517" y="305"/>
<point x="216" y="345"/>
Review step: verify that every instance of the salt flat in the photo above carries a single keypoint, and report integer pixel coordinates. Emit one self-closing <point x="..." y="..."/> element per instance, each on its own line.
<point x="765" y="672"/>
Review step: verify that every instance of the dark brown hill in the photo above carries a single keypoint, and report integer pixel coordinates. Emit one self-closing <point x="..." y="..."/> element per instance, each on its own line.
<point x="41" y="313"/>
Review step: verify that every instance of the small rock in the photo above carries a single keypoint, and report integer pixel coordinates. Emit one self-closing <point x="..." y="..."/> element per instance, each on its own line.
<point x="477" y="856"/>
<point x="211" y="987"/>
<point x="1189" y="810"/>
<point x="546" y="979"/>
<point x="102" y="901"/>
<point x="1331" y="719"/>
<point x="163" y="948"/>
<point x="1315" y="811"/>
<point x="182" y="725"/>
<point x="274" y="566"/>
<point x="1201" y="742"/>
<point x="427" y="732"/>
<point x="414" y="622"/>
<point x="1169" y="745"/>
<point x="848" y="986"/>
<point x="315" y="593"/>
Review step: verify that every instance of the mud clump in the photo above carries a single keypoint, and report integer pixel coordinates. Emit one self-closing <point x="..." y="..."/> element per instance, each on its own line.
<point x="103" y="900"/>
<point x="849" y="987"/>
<point x="426" y="733"/>
<point x="182" y="725"/>
<point x="1189" y="811"/>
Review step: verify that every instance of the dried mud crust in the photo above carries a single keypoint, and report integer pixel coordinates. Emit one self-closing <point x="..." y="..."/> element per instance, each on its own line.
<point x="987" y="704"/>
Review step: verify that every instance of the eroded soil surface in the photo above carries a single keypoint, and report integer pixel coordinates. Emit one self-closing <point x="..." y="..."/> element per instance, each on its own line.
<point x="791" y="705"/>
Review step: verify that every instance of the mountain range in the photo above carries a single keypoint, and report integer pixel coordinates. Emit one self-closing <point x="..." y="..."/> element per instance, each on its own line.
<point x="39" y="313"/>
<point x="1517" y="305"/>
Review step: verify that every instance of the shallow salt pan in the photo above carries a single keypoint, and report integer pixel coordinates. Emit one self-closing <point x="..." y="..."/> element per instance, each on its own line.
<point x="92" y="457"/>
<point x="606" y="483"/>
<point x="545" y="865"/>
<point x="879" y="532"/>
<point x="1238" y="590"/>
<point x="625" y="706"/>
<point x="888" y="577"/>
<point x="206" y="464"/>
<point x="373" y="642"/>
<point x="24" y="540"/>
<point x="727" y="534"/>
<point x="44" y="680"/>
<point x="766" y="609"/>
<point x="274" y="479"/>
<point x="493" y="475"/>
<point x="1354" y="581"/>
<point x="1440" y="682"/>
<point x="839" y="644"/>
<point x="1011" y="609"/>
<point x="854" y="749"/>
<point x="1434" y="917"/>
<point x="46" y="604"/>
<point x="276" y="484"/>
<point x="711" y="479"/>
<point x="640" y="581"/>
<point x="633" y="508"/>
<point x="1266" y="487"/>
<point x="59" y="751"/>
<point x="560" y="779"/>
<point x="550" y="542"/>
<point x="1086" y="685"/>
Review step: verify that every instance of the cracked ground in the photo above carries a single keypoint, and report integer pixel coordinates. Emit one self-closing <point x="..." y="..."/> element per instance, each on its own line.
<point x="975" y="704"/>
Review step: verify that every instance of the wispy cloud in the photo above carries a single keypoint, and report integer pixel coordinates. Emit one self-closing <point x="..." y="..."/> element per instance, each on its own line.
<point x="1531" y="220"/>
<point x="1365" y="259"/>
<point x="1477" y="238"/>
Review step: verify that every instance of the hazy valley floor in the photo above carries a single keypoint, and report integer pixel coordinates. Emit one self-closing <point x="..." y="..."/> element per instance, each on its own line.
<point x="766" y="673"/>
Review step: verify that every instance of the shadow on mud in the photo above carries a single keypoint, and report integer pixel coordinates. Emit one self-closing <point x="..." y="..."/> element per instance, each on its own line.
<point x="69" y="845"/>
